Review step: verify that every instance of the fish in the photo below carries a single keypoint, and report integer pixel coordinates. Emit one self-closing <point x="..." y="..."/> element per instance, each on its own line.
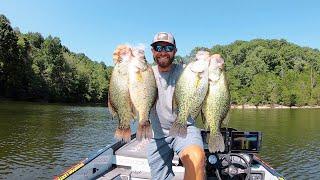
<point x="119" y="102"/>
<point x="190" y="91"/>
<point x="143" y="91"/>
<point x="216" y="104"/>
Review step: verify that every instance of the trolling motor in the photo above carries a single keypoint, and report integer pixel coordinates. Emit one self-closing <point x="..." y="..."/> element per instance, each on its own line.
<point x="235" y="161"/>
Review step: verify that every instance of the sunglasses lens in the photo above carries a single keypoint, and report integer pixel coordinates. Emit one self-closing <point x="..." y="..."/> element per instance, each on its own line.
<point x="168" y="48"/>
<point x="160" y="48"/>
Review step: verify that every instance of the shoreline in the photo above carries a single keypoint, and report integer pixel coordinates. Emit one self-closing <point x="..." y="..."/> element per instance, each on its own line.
<point x="274" y="106"/>
<point x="233" y="106"/>
<point x="60" y="103"/>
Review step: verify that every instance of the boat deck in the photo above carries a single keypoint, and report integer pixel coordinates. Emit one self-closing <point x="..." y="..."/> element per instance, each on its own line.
<point x="130" y="161"/>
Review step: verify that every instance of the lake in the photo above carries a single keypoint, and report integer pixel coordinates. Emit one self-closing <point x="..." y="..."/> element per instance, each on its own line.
<point x="39" y="140"/>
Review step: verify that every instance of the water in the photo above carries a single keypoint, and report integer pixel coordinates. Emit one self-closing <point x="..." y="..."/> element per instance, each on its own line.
<point x="290" y="139"/>
<point x="39" y="141"/>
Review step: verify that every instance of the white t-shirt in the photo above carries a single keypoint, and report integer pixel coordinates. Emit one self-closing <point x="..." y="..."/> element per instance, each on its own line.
<point x="162" y="115"/>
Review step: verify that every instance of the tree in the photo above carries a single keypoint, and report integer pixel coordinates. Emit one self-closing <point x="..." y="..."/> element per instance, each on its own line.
<point x="11" y="74"/>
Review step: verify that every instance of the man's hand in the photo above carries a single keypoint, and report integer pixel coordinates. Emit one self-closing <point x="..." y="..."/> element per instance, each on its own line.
<point x="122" y="52"/>
<point x="218" y="59"/>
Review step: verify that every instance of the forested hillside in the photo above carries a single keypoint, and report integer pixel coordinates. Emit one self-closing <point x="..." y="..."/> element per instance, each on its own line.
<point x="36" y="68"/>
<point x="271" y="72"/>
<point x="33" y="67"/>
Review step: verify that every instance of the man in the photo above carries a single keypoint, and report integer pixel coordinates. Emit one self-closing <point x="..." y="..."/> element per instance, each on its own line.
<point x="162" y="146"/>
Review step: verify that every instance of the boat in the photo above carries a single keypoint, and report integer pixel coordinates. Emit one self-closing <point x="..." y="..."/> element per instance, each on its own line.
<point x="128" y="160"/>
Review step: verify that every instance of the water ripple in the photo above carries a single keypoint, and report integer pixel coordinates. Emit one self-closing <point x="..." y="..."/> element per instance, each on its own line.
<point x="39" y="141"/>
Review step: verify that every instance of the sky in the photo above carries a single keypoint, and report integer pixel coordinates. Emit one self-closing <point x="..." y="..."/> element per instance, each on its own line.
<point x="96" y="27"/>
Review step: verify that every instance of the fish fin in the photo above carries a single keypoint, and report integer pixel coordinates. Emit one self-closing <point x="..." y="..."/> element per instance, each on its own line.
<point x="197" y="112"/>
<point x="199" y="120"/>
<point x="134" y="112"/>
<point x="226" y="119"/>
<point x="144" y="131"/>
<point x="204" y="121"/>
<point x="216" y="142"/>
<point x="111" y="109"/>
<point x="178" y="129"/>
<point x="123" y="134"/>
<point x="174" y="104"/>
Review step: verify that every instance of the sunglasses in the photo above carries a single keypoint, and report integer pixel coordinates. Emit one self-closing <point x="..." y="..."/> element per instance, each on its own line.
<point x="167" y="48"/>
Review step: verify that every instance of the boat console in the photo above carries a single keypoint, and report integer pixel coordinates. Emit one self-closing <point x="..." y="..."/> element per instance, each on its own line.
<point x="236" y="161"/>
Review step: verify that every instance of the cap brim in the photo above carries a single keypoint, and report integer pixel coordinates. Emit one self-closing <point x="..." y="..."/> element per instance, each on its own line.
<point x="161" y="41"/>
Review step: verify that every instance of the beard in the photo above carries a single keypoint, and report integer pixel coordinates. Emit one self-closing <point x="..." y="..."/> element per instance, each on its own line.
<point x="163" y="63"/>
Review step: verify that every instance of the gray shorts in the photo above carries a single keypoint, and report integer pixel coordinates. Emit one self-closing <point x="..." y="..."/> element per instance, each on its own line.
<point x="161" y="152"/>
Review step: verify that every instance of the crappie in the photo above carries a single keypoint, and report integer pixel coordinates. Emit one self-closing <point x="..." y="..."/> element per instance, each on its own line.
<point x="143" y="91"/>
<point x="119" y="102"/>
<point x="217" y="103"/>
<point x="189" y="93"/>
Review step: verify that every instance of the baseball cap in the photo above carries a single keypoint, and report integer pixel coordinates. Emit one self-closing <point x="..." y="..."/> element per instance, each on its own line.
<point x="164" y="37"/>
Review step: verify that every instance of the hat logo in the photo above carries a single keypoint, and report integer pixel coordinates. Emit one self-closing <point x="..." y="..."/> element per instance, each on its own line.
<point x="163" y="36"/>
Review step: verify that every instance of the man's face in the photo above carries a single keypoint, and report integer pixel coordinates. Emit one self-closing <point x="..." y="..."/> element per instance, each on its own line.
<point x="164" y="58"/>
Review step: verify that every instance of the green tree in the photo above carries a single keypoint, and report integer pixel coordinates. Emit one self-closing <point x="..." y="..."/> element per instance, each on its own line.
<point x="11" y="66"/>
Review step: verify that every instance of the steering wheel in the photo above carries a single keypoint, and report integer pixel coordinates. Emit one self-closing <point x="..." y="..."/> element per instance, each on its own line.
<point x="232" y="167"/>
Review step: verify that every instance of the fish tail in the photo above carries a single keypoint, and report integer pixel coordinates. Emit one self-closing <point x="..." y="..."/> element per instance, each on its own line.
<point x="216" y="143"/>
<point x="144" y="131"/>
<point x="178" y="129"/>
<point x="123" y="134"/>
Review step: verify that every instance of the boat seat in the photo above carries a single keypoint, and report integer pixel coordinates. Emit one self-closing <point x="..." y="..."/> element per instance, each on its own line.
<point x="133" y="157"/>
<point x="137" y="149"/>
<point x="120" y="173"/>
